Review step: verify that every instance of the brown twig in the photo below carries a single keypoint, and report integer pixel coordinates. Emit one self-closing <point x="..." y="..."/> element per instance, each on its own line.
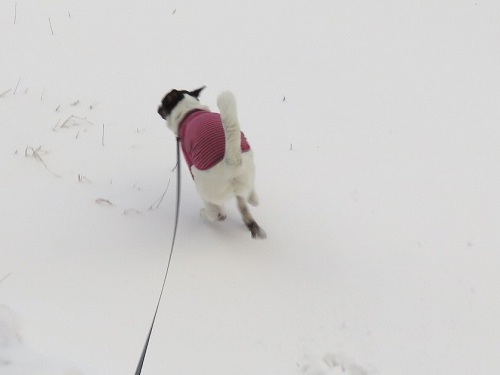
<point x="103" y="202"/>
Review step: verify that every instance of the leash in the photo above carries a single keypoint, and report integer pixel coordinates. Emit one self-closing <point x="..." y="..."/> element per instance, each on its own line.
<point x="145" y="349"/>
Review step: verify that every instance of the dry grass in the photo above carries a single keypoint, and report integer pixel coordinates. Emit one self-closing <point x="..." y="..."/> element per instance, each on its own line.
<point x="4" y="278"/>
<point x="83" y="179"/>
<point x="156" y="203"/>
<point x="103" y="202"/>
<point x="31" y="152"/>
<point x="5" y="92"/>
<point x="73" y="121"/>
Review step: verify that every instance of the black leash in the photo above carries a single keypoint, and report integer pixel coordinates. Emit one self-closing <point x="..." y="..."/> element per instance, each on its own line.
<point x="145" y="349"/>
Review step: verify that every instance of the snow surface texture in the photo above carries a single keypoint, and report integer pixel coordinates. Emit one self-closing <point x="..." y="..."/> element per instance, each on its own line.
<point x="375" y="127"/>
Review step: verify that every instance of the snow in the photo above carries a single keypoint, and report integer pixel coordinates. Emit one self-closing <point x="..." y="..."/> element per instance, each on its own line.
<point x="375" y="129"/>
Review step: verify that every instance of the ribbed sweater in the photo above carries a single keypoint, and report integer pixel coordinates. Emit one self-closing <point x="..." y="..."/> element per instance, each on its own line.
<point x="203" y="140"/>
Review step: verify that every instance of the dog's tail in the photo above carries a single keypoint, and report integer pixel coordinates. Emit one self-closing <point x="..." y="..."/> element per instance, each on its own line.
<point x="227" y="107"/>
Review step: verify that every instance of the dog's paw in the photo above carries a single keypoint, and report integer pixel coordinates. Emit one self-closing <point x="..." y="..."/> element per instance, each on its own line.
<point x="256" y="231"/>
<point x="211" y="215"/>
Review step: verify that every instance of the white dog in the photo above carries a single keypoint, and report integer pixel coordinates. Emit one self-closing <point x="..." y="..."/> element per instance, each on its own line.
<point x="217" y="153"/>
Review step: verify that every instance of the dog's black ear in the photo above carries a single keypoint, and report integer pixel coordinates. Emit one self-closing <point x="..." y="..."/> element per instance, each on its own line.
<point x="169" y="102"/>
<point x="162" y="112"/>
<point x="197" y="92"/>
<point x="171" y="99"/>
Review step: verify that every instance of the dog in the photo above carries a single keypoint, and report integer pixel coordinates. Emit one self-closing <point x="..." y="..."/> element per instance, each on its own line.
<point x="218" y="154"/>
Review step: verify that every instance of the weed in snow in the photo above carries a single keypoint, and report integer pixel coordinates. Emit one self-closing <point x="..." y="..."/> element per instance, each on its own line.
<point x="31" y="152"/>
<point x="5" y="92"/>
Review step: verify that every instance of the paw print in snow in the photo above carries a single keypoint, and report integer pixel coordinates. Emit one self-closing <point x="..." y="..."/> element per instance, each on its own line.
<point x="331" y="364"/>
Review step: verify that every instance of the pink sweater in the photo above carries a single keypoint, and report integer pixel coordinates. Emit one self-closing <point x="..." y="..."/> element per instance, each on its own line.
<point x="203" y="139"/>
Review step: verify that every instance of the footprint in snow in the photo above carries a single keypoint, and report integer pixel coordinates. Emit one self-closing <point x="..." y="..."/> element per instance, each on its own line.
<point x="331" y="364"/>
<point x="18" y="359"/>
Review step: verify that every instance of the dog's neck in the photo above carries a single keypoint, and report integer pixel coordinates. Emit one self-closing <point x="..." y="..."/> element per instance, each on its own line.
<point x="187" y="105"/>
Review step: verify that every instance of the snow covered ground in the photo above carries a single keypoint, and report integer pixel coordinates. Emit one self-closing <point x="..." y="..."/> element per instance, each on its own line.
<point x="376" y="132"/>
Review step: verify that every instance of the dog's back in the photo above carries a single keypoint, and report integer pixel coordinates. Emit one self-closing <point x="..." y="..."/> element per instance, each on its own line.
<point x="205" y="138"/>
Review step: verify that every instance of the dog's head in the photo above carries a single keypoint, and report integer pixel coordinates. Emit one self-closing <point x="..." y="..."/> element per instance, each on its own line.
<point x="173" y="98"/>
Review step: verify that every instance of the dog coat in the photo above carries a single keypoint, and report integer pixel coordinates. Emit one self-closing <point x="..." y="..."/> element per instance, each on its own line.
<point x="203" y="139"/>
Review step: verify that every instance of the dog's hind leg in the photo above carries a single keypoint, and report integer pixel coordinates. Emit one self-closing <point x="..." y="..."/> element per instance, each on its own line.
<point x="257" y="232"/>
